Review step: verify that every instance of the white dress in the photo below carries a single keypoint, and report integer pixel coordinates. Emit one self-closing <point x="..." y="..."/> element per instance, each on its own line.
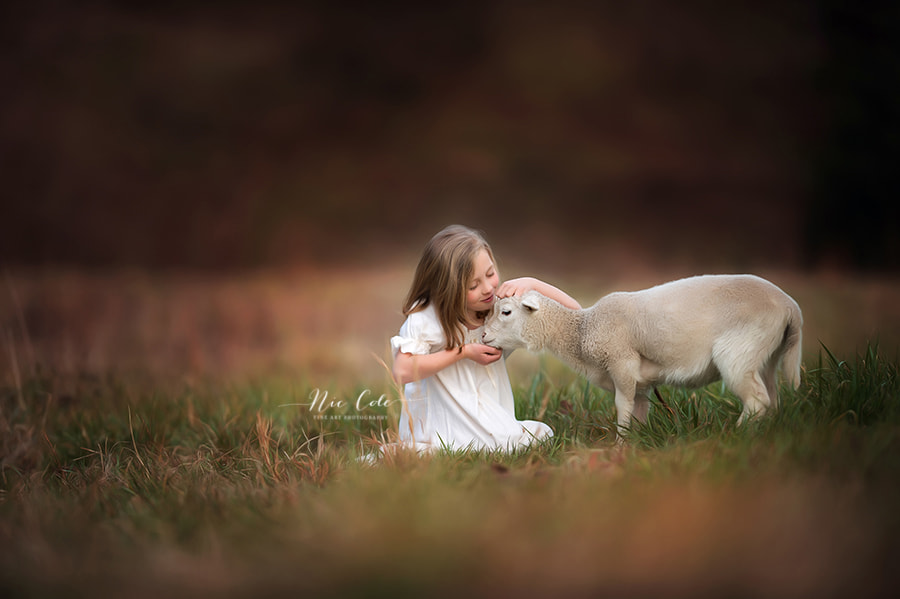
<point x="463" y="406"/>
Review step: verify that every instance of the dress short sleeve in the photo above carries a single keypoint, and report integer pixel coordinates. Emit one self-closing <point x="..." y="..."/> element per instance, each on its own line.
<point x="420" y="334"/>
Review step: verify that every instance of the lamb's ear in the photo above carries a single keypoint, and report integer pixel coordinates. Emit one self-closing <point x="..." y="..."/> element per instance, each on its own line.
<point x="531" y="303"/>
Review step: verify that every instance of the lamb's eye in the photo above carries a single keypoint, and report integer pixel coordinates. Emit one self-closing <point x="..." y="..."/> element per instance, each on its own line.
<point x="505" y="312"/>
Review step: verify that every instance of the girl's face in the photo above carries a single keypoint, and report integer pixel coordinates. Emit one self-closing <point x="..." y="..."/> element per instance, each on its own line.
<point x="482" y="285"/>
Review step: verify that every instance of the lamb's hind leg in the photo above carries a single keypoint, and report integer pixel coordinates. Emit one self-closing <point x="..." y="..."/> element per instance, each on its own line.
<point x="742" y="359"/>
<point x="751" y="388"/>
<point x="770" y="377"/>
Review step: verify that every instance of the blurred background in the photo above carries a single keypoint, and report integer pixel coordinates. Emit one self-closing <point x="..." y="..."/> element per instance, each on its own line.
<point x="195" y="186"/>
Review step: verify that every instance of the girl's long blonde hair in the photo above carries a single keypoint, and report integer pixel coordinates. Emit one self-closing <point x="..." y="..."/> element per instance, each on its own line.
<point x="442" y="276"/>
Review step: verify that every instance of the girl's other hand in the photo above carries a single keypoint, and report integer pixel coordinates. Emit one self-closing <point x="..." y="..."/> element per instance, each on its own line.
<point x="480" y="353"/>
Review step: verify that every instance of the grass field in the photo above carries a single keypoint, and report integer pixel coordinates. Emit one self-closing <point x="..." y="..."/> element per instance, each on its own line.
<point x="116" y="483"/>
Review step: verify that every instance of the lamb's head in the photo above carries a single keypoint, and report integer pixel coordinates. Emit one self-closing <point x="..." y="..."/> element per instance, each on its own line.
<point x="512" y="322"/>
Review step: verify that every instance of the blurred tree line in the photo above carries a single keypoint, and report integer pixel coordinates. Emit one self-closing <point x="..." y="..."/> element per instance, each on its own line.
<point x="217" y="135"/>
<point x="857" y="180"/>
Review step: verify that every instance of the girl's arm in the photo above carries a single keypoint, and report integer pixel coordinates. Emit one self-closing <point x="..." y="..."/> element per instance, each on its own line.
<point x="523" y="284"/>
<point x="415" y="367"/>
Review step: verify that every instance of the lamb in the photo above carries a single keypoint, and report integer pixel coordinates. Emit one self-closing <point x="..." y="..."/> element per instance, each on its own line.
<point x="689" y="333"/>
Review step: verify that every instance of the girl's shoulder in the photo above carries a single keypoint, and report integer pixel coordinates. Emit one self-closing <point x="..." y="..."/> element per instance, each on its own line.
<point x="424" y="320"/>
<point x="421" y="333"/>
<point x="429" y="311"/>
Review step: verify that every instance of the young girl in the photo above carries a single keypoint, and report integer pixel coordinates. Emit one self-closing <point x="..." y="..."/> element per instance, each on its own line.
<point x="458" y="394"/>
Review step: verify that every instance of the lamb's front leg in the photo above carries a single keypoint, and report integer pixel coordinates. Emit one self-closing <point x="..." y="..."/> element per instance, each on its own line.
<point x="624" y="376"/>
<point x="624" y="411"/>
<point x="641" y="407"/>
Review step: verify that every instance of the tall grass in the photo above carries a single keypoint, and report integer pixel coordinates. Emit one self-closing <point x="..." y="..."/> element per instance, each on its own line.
<point x="112" y="487"/>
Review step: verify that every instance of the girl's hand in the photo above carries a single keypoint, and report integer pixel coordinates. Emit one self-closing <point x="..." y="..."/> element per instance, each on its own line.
<point x="516" y="286"/>
<point x="480" y="353"/>
<point x="524" y="284"/>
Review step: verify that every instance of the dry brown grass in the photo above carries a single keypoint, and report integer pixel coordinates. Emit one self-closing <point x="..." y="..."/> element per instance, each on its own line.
<point x="330" y="325"/>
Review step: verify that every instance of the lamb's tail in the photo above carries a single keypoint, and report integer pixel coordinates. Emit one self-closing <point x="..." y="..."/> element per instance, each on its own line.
<point x="793" y="346"/>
